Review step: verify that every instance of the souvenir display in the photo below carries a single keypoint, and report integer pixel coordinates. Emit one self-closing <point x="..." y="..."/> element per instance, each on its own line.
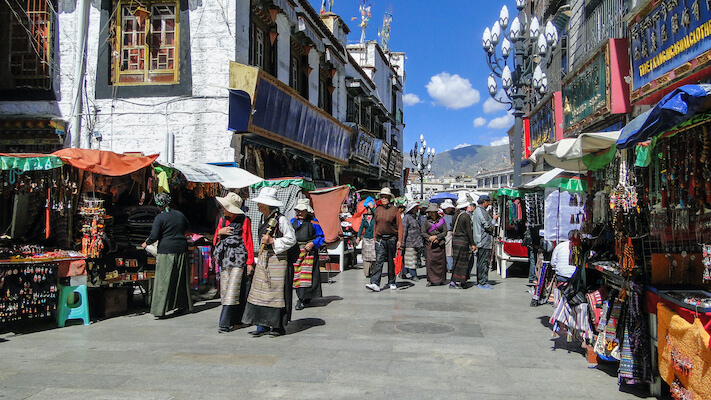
<point x="27" y="291"/>
<point x="534" y="208"/>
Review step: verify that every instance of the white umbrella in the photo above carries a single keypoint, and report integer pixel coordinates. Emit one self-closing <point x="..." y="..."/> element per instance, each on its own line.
<point x="568" y="153"/>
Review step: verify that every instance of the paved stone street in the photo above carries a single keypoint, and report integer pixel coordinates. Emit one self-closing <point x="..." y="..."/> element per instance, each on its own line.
<point x="414" y="343"/>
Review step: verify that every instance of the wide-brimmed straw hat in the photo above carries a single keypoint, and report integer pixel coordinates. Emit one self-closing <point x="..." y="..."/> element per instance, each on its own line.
<point x="463" y="201"/>
<point x="304" y="204"/>
<point x="385" y="191"/>
<point x="433" y="207"/>
<point x="447" y="204"/>
<point x="232" y="203"/>
<point x="409" y="206"/>
<point x="268" y="196"/>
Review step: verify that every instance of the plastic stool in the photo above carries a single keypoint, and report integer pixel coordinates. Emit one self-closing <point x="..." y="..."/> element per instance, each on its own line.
<point x="78" y="310"/>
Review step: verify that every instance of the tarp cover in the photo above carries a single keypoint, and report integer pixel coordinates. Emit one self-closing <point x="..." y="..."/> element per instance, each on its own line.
<point x="568" y="153"/>
<point x="229" y="177"/>
<point x="672" y="109"/>
<point x="104" y="162"/>
<point x="28" y="162"/>
<point x="285" y="182"/>
<point x="327" y="206"/>
<point x="543" y="179"/>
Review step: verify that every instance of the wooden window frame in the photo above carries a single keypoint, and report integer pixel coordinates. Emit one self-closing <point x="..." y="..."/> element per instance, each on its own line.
<point x="268" y="56"/>
<point x="31" y="66"/>
<point x="146" y="73"/>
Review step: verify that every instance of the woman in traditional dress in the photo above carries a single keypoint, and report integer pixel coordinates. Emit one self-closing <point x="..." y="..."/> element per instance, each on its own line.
<point x="412" y="239"/>
<point x="309" y="236"/>
<point x="269" y="300"/>
<point x="171" y="286"/>
<point x="365" y="235"/>
<point x="235" y="256"/>
<point x="434" y="231"/>
<point x="462" y="245"/>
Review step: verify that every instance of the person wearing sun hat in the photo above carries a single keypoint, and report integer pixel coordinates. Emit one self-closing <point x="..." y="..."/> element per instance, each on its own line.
<point x="388" y="238"/>
<point x="448" y="208"/>
<point x="310" y="237"/>
<point x="171" y="285"/>
<point x="462" y="245"/>
<point x="434" y="232"/>
<point x="235" y="256"/>
<point x="269" y="300"/>
<point x="412" y="239"/>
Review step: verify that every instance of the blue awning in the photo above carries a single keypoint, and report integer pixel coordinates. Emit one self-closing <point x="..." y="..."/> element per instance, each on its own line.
<point x="240" y="108"/>
<point x="676" y="107"/>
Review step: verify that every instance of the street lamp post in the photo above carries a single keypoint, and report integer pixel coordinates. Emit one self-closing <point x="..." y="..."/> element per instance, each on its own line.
<point x="520" y="80"/>
<point x="422" y="157"/>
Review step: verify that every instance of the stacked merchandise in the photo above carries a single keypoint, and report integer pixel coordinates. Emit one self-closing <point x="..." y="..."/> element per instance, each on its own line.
<point x="202" y="266"/>
<point x="139" y="224"/>
<point x="27" y="291"/>
<point x="534" y="208"/>
<point x="93" y="233"/>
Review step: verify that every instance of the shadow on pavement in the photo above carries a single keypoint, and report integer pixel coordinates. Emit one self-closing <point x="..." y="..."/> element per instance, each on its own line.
<point x="324" y="301"/>
<point x="303" y="324"/>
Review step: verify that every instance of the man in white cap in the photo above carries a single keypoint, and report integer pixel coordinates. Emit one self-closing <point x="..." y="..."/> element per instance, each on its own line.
<point x="448" y="208"/>
<point x="388" y="238"/>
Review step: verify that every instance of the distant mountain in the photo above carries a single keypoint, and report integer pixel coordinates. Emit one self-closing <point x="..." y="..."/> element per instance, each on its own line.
<point x="468" y="160"/>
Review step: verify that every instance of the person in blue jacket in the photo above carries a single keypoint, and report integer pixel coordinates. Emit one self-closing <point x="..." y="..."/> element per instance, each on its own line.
<point x="309" y="237"/>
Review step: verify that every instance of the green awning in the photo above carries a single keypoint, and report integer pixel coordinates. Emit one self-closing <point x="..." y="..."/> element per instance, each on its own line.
<point x="31" y="163"/>
<point x="510" y="192"/>
<point x="285" y="182"/>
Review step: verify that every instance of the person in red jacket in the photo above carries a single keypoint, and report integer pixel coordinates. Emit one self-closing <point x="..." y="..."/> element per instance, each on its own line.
<point x="235" y="256"/>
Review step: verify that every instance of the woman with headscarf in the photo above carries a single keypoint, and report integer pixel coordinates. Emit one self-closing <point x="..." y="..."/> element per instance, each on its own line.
<point x="462" y="245"/>
<point x="309" y="236"/>
<point x="171" y="286"/>
<point x="365" y="235"/>
<point x="269" y="300"/>
<point x="434" y="232"/>
<point x="412" y="239"/>
<point x="235" y="256"/>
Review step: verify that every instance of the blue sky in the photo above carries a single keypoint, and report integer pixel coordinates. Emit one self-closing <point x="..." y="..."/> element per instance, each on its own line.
<point x="446" y="67"/>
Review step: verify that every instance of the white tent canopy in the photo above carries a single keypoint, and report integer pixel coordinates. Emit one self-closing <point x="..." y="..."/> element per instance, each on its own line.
<point x="568" y="153"/>
<point x="543" y="179"/>
<point x="229" y="177"/>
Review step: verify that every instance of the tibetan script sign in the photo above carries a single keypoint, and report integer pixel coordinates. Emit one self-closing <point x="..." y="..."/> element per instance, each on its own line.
<point x="364" y="147"/>
<point x="543" y="126"/>
<point x="585" y="96"/>
<point x="665" y="36"/>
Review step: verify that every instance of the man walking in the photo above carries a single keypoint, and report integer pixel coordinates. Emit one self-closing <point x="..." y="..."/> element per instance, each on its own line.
<point x="388" y="238"/>
<point x="483" y="230"/>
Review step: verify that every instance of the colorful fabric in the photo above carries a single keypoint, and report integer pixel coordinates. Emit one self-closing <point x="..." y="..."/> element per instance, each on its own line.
<point x="636" y="363"/>
<point x="683" y="352"/>
<point x="268" y="282"/>
<point x="22" y="163"/>
<point x="368" y="249"/>
<point x="303" y="269"/>
<point x="230" y="284"/>
<point x="410" y="258"/>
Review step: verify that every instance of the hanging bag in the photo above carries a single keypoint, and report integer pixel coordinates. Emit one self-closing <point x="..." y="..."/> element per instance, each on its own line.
<point x="397" y="261"/>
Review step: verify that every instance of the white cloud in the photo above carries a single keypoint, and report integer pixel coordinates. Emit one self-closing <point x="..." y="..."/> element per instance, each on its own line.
<point x="492" y="106"/>
<point x="459" y="146"/>
<point x="452" y="91"/>
<point x="479" y="122"/>
<point x="500" y="141"/>
<point x="411" y="99"/>
<point x="502" y="122"/>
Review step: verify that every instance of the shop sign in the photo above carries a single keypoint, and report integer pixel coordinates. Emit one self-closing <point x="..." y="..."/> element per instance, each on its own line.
<point x="543" y="125"/>
<point x="377" y="146"/>
<point x="666" y="37"/>
<point x="364" y="147"/>
<point x="384" y="157"/>
<point x="398" y="164"/>
<point x="392" y="161"/>
<point x="586" y="96"/>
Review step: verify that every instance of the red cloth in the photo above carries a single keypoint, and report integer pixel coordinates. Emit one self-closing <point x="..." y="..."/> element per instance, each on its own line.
<point x="246" y="236"/>
<point x="358" y="216"/>
<point x="104" y="162"/>
<point x="68" y="268"/>
<point x="327" y="206"/>
<point x="650" y="304"/>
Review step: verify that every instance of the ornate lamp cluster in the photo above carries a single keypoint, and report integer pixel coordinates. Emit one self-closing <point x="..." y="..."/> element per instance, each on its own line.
<point x="530" y="44"/>
<point x="422" y="157"/>
<point x="523" y="45"/>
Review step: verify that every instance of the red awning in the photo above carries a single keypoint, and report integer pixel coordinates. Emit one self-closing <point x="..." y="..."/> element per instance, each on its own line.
<point x="327" y="206"/>
<point x="104" y="162"/>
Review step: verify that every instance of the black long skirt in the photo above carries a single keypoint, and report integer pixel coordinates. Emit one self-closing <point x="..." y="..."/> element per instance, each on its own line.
<point x="436" y="264"/>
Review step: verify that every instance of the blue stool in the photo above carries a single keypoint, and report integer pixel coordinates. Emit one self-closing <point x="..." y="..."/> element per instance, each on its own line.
<point x="68" y="309"/>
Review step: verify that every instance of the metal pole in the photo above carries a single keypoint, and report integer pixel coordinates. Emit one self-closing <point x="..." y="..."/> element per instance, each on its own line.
<point x="79" y="70"/>
<point x="422" y="185"/>
<point x="518" y="138"/>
